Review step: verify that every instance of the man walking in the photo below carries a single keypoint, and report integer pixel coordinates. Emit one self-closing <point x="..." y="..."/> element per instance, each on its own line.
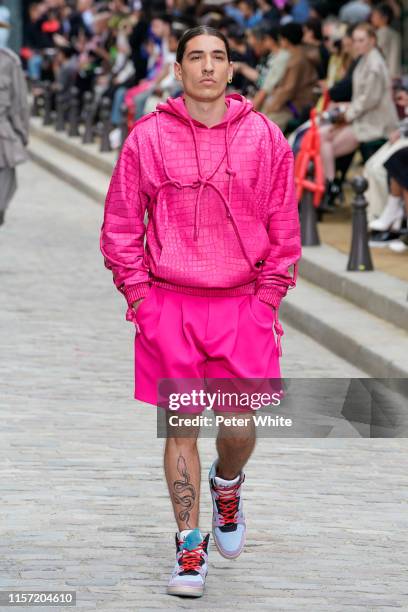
<point x="216" y="178"/>
<point x="14" y="124"/>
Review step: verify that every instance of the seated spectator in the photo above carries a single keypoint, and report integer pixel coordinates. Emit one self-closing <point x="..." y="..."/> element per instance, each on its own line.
<point x="384" y="211"/>
<point x="371" y="115"/>
<point x="277" y="62"/>
<point x="167" y="85"/>
<point x="245" y="13"/>
<point x="296" y="90"/>
<point x="396" y="166"/>
<point x="4" y="24"/>
<point x="314" y="46"/>
<point x="241" y="52"/>
<point x="255" y="76"/>
<point x="388" y="39"/>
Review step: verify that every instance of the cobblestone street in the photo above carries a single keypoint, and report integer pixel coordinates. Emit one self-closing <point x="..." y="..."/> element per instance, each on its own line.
<point x="84" y="500"/>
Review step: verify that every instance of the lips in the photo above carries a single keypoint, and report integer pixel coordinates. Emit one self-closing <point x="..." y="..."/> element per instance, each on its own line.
<point x="207" y="81"/>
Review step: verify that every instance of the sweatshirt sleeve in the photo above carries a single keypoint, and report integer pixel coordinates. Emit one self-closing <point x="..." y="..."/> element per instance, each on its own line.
<point x="283" y="229"/>
<point x="123" y="229"/>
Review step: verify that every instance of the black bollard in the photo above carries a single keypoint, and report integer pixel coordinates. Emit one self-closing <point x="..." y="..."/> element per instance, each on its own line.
<point x="123" y="124"/>
<point x="360" y="256"/>
<point x="73" y="113"/>
<point x="308" y="214"/>
<point x="105" y="125"/>
<point x="47" y="118"/>
<point x="88" y="117"/>
<point x="35" y="109"/>
<point x="60" y="109"/>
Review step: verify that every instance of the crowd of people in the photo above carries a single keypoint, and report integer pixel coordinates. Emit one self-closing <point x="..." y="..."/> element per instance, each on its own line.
<point x="289" y="57"/>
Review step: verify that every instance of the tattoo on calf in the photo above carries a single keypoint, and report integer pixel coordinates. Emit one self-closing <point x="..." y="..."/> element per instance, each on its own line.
<point x="184" y="491"/>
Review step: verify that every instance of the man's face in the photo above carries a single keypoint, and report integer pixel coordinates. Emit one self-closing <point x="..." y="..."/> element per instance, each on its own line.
<point x="157" y="27"/>
<point x="205" y="56"/>
<point x="376" y="19"/>
<point x="245" y="9"/>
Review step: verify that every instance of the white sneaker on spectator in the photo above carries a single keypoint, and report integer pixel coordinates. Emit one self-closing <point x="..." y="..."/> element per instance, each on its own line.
<point x="115" y="137"/>
<point x="398" y="246"/>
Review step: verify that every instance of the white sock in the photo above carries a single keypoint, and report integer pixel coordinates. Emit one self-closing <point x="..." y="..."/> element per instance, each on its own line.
<point x="224" y="483"/>
<point x="184" y="533"/>
<point x="393" y="202"/>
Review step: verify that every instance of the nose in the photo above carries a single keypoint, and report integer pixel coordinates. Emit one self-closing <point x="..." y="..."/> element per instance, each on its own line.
<point x="208" y="65"/>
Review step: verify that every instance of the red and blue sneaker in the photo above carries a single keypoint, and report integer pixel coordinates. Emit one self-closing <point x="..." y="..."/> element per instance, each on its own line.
<point x="191" y="567"/>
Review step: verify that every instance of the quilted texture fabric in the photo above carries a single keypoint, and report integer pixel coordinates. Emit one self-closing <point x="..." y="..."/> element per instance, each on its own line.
<point x="222" y="212"/>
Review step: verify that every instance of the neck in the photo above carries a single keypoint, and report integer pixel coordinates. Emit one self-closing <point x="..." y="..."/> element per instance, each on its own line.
<point x="210" y="113"/>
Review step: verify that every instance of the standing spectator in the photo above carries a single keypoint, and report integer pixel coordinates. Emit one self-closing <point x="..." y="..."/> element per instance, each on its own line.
<point x="388" y="39"/>
<point x="14" y="118"/>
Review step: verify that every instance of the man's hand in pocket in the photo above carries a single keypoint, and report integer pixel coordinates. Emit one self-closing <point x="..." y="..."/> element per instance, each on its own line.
<point x="136" y="304"/>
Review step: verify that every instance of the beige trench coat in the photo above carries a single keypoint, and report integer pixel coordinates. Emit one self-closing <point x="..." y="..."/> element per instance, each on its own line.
<point x="372" y="110"/>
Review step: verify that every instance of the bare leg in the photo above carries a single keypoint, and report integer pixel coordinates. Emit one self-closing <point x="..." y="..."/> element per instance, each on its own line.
<point x="396" y="189"/>
<point x="335" y="142"/>
<point x="183" y="471"/>
<point x="405" y="196"/>
<point x="234" y="446"/>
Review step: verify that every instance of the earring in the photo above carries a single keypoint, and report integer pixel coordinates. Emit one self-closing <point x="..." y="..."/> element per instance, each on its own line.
<point x="230" y="80"/>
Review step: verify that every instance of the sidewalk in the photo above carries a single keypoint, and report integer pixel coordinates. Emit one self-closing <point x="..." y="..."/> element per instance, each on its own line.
<point x="84" y="501"/>
<point x="335" y="230"/>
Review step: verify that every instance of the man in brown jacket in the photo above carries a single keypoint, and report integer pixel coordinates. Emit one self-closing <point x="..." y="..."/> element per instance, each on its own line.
<point x="295" y="91"/>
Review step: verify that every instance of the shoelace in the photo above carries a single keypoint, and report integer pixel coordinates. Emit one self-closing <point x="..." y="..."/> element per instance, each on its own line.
<point x="190" y="559"/>
<point x="228" y="502"/>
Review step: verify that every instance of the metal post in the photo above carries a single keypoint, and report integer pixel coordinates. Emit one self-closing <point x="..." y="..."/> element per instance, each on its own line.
<point x="308" y="214"/>
<point x="360" y="256"/>
<point x="73" y="114"/>
<point x="88" y="118"/>
<point x="106" y="125"/>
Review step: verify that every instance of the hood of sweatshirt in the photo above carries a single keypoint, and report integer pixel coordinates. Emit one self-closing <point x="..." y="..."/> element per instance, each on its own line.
<point x="238" y="107"/>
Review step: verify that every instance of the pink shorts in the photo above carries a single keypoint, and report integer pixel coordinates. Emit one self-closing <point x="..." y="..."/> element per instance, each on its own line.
<point x="181" y="336"/>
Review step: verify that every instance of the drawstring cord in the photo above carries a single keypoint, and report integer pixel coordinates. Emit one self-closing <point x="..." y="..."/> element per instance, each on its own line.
<point x="278" y="330"/>
<point x="202" y="182"/>
<point x="131" y="316"/>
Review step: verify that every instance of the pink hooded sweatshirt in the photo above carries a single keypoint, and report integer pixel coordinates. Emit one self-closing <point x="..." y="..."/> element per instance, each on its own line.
<point x="222" y="212"/>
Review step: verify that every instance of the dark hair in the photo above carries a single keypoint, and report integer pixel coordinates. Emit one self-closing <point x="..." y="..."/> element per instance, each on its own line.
<point x="292" y="32"/>
<point x="274" y="33"/>
<point x="236" y="33"/>
<point x="259" y="32"/>
<point x="315" y="26"/>
<point x="385" y="10"/>
<point x="199" y="31"/>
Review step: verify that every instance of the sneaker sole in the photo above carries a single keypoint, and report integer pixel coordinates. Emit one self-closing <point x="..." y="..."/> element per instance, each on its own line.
<point x="226" y="555"/>
<point x="187" y="591"/>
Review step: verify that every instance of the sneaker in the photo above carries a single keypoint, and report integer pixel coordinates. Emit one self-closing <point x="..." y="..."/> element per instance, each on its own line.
<point x="228" y="523"/>
<point x="190" y="571"/>
<point x="398" y="246"/>
<point x="382" y="239"/>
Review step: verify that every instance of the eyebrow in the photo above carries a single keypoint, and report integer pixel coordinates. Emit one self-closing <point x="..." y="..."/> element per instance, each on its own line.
<point x="214" y="51"/>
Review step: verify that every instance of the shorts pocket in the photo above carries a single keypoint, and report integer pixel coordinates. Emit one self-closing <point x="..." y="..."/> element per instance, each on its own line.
<point x="142" y="306"/>
<point x="261" y="312"/>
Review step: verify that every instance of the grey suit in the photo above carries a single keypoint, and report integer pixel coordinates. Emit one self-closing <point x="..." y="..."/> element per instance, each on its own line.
<point x="14" y="123"/>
